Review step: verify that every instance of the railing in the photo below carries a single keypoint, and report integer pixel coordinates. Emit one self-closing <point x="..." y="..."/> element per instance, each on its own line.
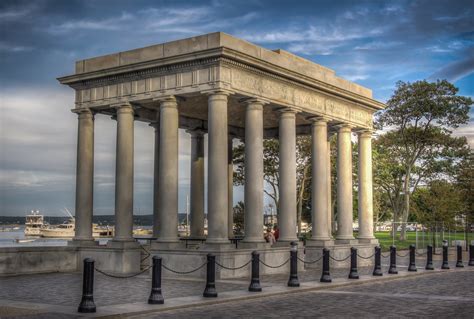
<point x="87" y="304"/>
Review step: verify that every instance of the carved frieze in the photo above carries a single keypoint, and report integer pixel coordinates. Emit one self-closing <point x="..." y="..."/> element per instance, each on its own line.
<point x="301" y="97"/>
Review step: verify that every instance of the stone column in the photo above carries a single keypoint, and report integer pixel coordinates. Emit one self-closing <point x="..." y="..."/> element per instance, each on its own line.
<point x="254" y="171"/>
<point x="156" y="178"/>
<point x="366" y="219"/>
<point x="124" y="173"/>
<point x="344" y="184"/>
<point x="287" y="170"/>
<point x="84" y="175"/>
<point x="329" y="180"/>
<point x="197" y="184"/>
<point x="230" y="176"/>
<point x="319" y="187"/>
<point x="218" y="184"/>
<point x="168" y="171"/>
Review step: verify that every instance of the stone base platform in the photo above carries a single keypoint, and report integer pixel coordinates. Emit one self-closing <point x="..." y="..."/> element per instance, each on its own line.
<point x="341" y="251"/>
<point x="184" y="260"/>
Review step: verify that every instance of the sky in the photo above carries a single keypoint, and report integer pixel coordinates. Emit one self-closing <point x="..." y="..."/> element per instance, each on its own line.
<point x="373" y="43"/>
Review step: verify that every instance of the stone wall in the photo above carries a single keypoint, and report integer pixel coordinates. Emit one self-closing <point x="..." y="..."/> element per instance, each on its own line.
<point x="30" y="260"/>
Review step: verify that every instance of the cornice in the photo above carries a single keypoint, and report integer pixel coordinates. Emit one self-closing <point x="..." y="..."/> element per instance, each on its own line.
<point x="218" y="56"/>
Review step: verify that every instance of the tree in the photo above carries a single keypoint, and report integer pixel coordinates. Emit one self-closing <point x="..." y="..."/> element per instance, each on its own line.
<point x="437" y="204"/>
<point x="271" y="175"/>
<point x="270" y="167"/>
<point x="420" y="117"/>
<point x="239" y="217"/>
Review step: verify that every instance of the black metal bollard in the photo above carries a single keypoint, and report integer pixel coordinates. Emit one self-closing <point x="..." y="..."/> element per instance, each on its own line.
<point x="325" y="277"/>
<point x="293" y="281"/>
<point x="87" y="304"/>
<point x="412" y="265"/>
<point x="156" y="298"/>
<point x="459" y="263"/>
<point x="429" y="258"/>
<point x="393" y="261"/>
<point x="353" y="274"/>
<point x="445" y="264"/>
<point x="471" y="255"/>
<point x="255" y="281"/>
<point x="210" y="290"/>
<point x="378" y="262"/>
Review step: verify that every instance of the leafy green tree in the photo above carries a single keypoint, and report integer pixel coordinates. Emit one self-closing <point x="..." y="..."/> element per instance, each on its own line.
<point x="437" y="204"/>
<point x="419" y="147"/>
<point x="239" y="217"/>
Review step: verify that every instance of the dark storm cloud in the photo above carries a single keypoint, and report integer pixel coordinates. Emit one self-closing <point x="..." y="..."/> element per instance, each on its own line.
<point x="374" y="43"/>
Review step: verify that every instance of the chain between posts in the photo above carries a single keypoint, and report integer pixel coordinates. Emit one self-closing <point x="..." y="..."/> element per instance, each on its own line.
<point x="339" y="260"/>
<point x="183" y="272"/>
<point x="420" y="254"/>
<point x="310" y="262"/>
<point x="403" y="256"/>
<point x="368" y="257"/>
<point x="234" y="268"/>
<point x="121" y="277"/>
<point x="269" y="266"/>
<point x="384" y="255"/>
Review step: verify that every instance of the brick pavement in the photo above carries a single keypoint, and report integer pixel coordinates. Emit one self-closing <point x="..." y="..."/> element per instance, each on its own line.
<point x="438" y="295"/>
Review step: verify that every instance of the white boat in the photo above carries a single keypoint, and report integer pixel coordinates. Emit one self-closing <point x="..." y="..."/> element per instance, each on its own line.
<point x="34" y="224"/>
<point x="65" y="230"/>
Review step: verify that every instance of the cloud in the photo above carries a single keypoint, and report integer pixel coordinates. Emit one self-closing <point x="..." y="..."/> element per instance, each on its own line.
<point x="11" y="48"/>
<point x="455" y="70"/>
<point x="111" y="24"/>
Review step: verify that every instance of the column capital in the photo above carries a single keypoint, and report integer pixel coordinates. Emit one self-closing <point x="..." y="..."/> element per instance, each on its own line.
<point x="365" y="133"/>
<point x="318" y="120"/>
<point x="196" y="133"/>
<point x="83" y="112"/>
<point x="123" y="107"/>
<point x="167" y="101"/>
<point x="288" y="110"/>
<point x="254" y="101"/>
<point x="341" y="128"/>
<point x="217" y="91"/>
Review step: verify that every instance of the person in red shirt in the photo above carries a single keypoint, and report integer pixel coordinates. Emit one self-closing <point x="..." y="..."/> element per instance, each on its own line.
<point x="276" y="232"/>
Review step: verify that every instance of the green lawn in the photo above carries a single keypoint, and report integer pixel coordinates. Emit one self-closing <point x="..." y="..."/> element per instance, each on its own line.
<point x="424" y="239"/>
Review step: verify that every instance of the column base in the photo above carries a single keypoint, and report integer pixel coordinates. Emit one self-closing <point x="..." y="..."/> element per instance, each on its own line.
<point x="217" y="246"/>
<point x="254" y="245"/>
<point x="374" y="241"/>
<point x="123" y="244"/>
<point x="82" y="242"/>
<point x="320" y="242"/>
<point x="348" y="241"/>
<point x="167" y="245"/>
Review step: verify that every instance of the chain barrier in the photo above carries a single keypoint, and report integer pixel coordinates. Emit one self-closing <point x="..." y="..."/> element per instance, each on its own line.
<point x="420" y="254"/>
<point x="183" y="272"/>
<point x="339" y="260"/>
<point x="269" y="266"/>
<point x="368" y="257"/>
<point x="384" y="255"/>
<point x="234" y="268"/>
<point x="310" y="262"/>
<point x="403" y="256"/>
<point x="122" y="277"/>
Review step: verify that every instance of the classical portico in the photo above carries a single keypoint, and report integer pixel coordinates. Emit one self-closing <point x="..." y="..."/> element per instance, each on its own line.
<point x="225" y="88"/>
